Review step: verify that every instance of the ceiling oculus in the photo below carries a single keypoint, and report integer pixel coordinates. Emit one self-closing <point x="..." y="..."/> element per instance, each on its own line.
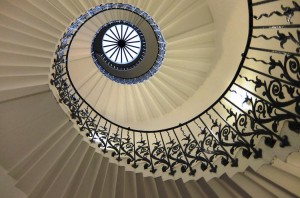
<point x="122" y="44"/>
<point x="129" y="47"/>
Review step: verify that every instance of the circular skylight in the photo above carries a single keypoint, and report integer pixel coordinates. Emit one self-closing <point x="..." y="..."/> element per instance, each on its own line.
<point x="121" y="44"/>
<point x="130" y="50"/>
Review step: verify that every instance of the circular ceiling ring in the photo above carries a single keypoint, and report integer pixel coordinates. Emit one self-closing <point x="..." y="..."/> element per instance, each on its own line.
<point x="122" y="43"/>
<point x="134" y="62"/>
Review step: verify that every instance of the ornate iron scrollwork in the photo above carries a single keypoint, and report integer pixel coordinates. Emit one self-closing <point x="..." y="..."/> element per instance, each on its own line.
<point x="270" y="96"/>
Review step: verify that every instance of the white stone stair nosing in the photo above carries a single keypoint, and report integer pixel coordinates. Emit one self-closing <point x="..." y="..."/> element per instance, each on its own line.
<point x="174" y="9"/>
<point x="23" y="71"/>
<point x="81" y="44"/>
<point x="92" y="3"/>
<point x="18" y="25"/>
<point x="51" y="12"/>
<point x="289" y="168"/>
<point x="20" y="13"/>
<point x="208" y="190"/>
<point x="16" y="82"/>
<point x="7" y="188"/>
<point x="142" y="104"/>
<point x="79" y="54"/>
<point x="90" y="74"/>
<point x="40" y="11"/>
<point x="67" y="172"/>
<point x="161" y="187"/>
<point x="62" y="9"/>
<point x="167" y="94"/>
<point x="146" y="5"/>
<point x="282" y="178"/>
<point x="160" y="99"/>
<point x="182" y="188"/>
<point x="103" y="98"/>
<point x="120" y="187"/>
<point x="175" y="93"/>
<point x="200" y="67"/>
<point x="71" y="7"/>
<point x="137" y="112"/>
<point x="40" y="150"/>
<point x="100" y="87"/>
<point x="44" y="164"/>
<point x="100" y="180"/>
<point x="202" y="40"/>
<point x="179" y="95"/>
<point x="88" y="30"/>
<point x="171" y="189"/>
<point x="251" y="187"/>
<point x="37" y="60"/>
<point x="10" y="35"/>
<point x="75" y="179"/>
<point x="140" y="187"/>
<point x="183" y="77"/>
<point x="99" y="21"/>
<point x="85" y="4"/>
<point x="184" y="90"/>
<point x="153" y="103"/>
<point x="92" y="26"/>
<point x="14" y="94"/>
<point x="94" y="92"/>
<point x="110" y="184"/>
<point x="83" y="57"/>
<point x="130" y="186"/>
<point x="160" y="10"/>
<point x="112" y="104"/>
<point x="233" y="187"/>
<point x="10" y="47"/>
<point x="190" y="33"/>
<point x="90" y="87"/>
<point x="103" y="84"/>
<point x="219" y="189"/>
<point x="276" y="189"/>
<point x="186" y="71"/>
<point x="19" y="31"/>
<point x="79" y="6"/>
<point x="194" y="7"/>
<point x="195" y="190"/>
<point x="89" y="177"/>
<point x="51" y="174"/>
<point x="19" y="59"/>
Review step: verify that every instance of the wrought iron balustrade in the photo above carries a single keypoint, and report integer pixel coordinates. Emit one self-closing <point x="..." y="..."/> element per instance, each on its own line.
<point x="265" y="88"/>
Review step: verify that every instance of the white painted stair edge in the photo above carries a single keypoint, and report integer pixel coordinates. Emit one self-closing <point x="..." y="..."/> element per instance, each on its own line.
<point x="7" y="186"/>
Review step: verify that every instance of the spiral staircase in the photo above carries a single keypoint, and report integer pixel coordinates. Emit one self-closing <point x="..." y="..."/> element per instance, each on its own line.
<point x="50" y="147"/>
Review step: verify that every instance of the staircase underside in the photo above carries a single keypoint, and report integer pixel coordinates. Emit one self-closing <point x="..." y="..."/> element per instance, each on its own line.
<point x="45" y="154"/>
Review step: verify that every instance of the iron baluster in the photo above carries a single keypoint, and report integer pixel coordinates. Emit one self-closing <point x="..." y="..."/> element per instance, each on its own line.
<point x="192" y="171"/>
<point x="153" y="170"/>
<point x="172" y="171"/>
<point x="213" y="168"/>
<point x="247" y="145"/>
<point x="284" y="141"/>
<point x="213" y="135"/>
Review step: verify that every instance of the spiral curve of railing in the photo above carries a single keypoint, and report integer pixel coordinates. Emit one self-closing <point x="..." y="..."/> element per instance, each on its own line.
<point x="264" y="94"/>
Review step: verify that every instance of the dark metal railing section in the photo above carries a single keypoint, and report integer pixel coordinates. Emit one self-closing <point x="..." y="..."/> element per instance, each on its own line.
<point x="267" y="81"/>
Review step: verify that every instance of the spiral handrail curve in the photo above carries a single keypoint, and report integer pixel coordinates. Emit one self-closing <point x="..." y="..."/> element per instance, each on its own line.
<point x="269" y="90"/>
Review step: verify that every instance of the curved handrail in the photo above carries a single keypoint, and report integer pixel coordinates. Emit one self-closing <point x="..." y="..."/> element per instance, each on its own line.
<point x="223" y="128"/>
